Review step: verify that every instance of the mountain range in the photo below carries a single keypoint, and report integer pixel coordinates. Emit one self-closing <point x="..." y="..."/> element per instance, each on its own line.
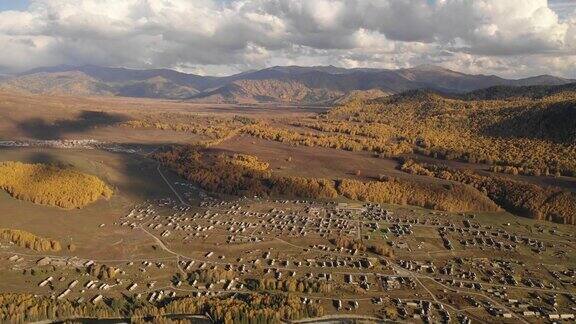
<point x="280" y="84"/>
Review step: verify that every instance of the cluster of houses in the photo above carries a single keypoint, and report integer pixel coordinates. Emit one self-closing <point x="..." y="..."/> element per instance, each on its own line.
<point x="497" y="283"/>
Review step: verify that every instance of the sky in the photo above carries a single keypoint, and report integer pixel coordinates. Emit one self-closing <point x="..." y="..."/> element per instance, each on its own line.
<point x="509" y="38"/>
<point x="13" y="4"/>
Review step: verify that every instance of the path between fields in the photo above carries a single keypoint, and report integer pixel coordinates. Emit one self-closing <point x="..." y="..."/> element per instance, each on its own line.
<point x="165" y="248"/>
<point x="170" y="186"/>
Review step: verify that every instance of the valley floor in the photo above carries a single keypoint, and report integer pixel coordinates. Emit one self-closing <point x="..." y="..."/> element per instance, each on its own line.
<point x="161" y="239"/>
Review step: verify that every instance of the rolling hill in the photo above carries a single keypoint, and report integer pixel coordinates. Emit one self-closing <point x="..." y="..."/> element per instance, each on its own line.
<point x="510" y="147"/>
<point x="280" y="84"/>
<point x="58" y="83"/>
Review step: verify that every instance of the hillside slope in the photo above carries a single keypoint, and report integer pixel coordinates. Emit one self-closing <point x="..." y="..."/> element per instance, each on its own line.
<point x="60" y="83"/>
<point x="516" y="137"/>
<point x="268" y="90"/>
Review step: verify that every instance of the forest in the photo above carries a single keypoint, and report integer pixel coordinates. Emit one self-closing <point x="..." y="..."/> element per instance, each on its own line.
<point x="212" y="129"/>
<point x="290" y="285"/>
<point x="538" y="134"/>
<point x="51" y="185"/>
<point x="209" y="276"/>
<point x="242" y="308"/>
<point x="239" y="174"/>
<point x="29" y="240"/>
<point x="448" y="197"/>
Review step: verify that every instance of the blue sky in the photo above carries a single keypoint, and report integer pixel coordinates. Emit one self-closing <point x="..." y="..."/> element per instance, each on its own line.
<point x="562" y="7"/>
<point x="13" y="4"/>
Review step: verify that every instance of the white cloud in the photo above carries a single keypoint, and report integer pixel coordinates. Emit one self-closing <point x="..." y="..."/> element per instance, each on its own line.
<point x="508" y="37"/>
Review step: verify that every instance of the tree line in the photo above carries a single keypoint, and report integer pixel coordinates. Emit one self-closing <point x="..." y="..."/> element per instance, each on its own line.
<point x="239" y="174"/>
<point x="211" y="127"/>
<point x="520" y="198"/>
<point x="239" y="308"/>
<point x="451" y="198"/>
<point x="29" y="240"/>
<point x="290" y="285"/>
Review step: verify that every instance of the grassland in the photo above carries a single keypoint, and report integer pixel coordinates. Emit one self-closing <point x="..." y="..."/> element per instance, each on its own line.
<point x="135" y="179"/>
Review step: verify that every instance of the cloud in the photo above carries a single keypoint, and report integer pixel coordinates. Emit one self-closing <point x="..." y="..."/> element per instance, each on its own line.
<point x="488" y="36"/>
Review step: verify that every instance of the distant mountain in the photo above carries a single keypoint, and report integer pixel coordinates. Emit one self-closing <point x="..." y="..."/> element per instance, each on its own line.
<point x="283" y="84"/>
<point x="58" y="83"/>
<point x="269" y="90"/>
<point x="122" y="75"/>
<point x="99" y="81"/>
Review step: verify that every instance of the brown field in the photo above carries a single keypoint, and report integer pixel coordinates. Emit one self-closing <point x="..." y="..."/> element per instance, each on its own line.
<point x="16" y="109"/>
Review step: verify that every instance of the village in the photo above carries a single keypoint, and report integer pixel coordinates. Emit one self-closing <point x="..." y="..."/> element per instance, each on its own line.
<point x="431" y="266"/>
